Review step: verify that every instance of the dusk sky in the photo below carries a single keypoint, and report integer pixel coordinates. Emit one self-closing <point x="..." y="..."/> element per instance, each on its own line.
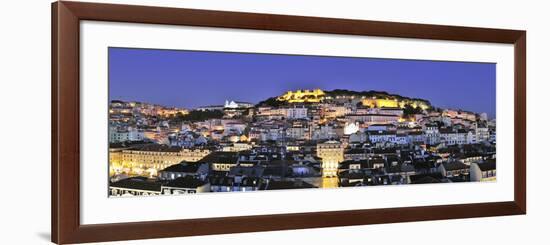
<point x="191" y="79"/>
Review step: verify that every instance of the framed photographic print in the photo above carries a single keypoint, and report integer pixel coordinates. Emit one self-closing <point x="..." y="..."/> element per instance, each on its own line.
<point x="177" y="122"/>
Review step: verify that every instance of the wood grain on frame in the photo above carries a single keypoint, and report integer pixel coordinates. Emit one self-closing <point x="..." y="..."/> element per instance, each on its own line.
<point x="66" y="17"/>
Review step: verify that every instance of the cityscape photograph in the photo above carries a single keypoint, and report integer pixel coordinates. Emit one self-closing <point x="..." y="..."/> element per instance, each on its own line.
<point x="188" y="122"/>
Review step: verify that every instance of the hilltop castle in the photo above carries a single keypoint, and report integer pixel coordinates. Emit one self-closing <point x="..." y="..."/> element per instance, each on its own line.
<point x="379" y="101"/>
<point x="301" y="96"/>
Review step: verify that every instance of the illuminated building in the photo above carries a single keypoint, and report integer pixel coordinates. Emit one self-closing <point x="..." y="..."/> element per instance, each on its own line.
<point x="237" y="104"/>
<point x="301" y="96"/>
<point x="157" y="157"/>
<point x="331" y="153"/>
<point x="351" y="128"/>
<point x="170" y="112"/>
<point x="268" y="111"/>
<point x="379" y="103"/>
<point x="370" y="119"/>
<point x="329" y="182"/>
<point x="237" y="146"/>
<point x="331" y="112"/>
<point x="115" y="161"/>
<point x="292" y="147"/>
<point x="393" y="103"/>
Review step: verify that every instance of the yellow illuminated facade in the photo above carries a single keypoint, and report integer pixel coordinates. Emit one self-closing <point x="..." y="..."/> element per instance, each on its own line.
<point x="236" y="147"/>
<point x="393" y="103"/>
<point x="301" y="96"/>
<point x="172" y="112"/>
<point x="318" y="95"/>
<point x="115" y="162"/>
<point x="133" y="161"/>
<point x="379" y="103"/>
<point x="328" y="182"/>
<point x="331" y="153"/>
<point x="422" y="105"/>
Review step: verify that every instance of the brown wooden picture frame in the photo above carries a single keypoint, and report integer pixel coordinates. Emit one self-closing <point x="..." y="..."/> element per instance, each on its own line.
<point x="65" y="174"/>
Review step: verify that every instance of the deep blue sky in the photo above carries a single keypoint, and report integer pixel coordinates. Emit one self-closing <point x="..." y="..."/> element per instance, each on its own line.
<point x="195" y="78"/>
